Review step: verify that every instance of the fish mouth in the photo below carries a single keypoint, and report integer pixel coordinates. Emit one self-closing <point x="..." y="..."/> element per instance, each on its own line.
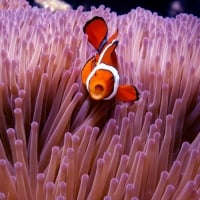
<point x="98" y="92"/>
<point x="99" y="89"/>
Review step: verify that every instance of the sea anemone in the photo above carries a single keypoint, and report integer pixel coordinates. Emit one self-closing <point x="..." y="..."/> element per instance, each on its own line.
<point x="57" y="143"/>
<point x="10" y="4"/>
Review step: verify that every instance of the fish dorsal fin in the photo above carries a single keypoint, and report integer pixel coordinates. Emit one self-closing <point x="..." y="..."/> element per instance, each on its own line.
<point x="127" y="93"/>
<point x="97" y="31"/>
<point x="113" y="37"/>
<point x="108" y="55"/>
<point x="88" y="67"/>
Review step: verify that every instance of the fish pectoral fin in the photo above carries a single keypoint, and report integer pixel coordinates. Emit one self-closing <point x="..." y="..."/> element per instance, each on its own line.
<point x="87" y="68"/>
<point x="127" y="93"/>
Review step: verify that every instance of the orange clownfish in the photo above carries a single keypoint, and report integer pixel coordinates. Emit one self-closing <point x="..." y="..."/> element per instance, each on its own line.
<point x="100" y="74"/>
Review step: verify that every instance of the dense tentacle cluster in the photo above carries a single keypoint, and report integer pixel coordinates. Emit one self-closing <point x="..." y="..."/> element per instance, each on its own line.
<point x="9" y="4"/>
<point x="57" y="143"/>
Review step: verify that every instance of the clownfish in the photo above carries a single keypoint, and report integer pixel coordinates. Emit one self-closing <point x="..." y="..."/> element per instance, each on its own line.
<point x="100" y="74"/>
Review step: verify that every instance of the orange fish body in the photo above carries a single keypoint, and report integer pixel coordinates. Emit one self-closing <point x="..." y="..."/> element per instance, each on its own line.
<point x="100" y="74"/>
